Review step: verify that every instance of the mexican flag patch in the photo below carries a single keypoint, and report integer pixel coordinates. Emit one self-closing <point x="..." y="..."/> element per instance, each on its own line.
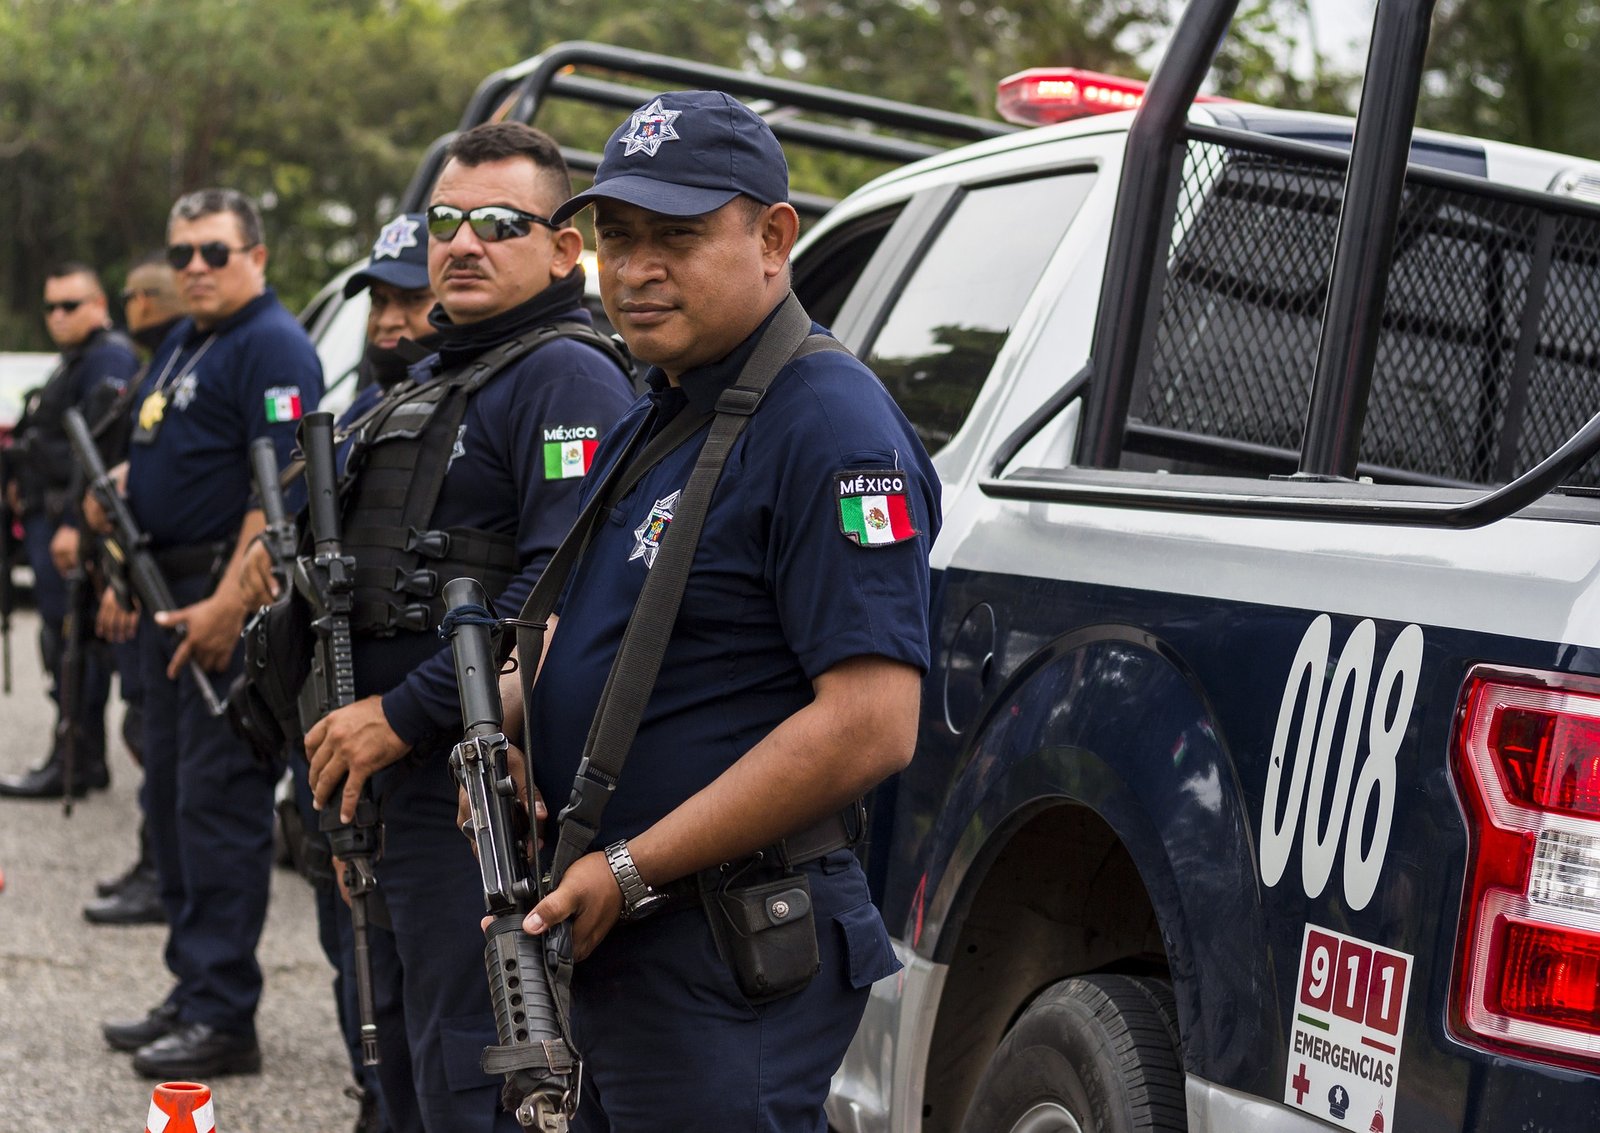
<point x="872" y="506"/>
<point x="282" y="404"/>
<point x="569" y="450"/>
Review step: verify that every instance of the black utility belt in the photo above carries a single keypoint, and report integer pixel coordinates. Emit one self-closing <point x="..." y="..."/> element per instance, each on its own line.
<point x="191" y="559"/>
<point x="839" y="831"/>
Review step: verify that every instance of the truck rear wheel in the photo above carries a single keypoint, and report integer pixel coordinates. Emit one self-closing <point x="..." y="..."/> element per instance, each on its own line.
<point x="1093" y="1054"/>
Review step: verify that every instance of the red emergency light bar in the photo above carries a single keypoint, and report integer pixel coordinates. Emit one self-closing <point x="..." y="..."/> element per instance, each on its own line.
<point x="1042" y="95"/>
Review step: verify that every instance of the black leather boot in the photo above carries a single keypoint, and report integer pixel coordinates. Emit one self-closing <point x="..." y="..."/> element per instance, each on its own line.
<point x="45" y="780"/>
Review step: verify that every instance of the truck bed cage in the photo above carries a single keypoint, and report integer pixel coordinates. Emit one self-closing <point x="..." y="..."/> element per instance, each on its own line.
<point x="619" y="78"/>
<point x="1235" y="329"/>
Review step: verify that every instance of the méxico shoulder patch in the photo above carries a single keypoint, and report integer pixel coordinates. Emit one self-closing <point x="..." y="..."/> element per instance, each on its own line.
<point x="873" y="510"/>
<point x="569" y="450"/>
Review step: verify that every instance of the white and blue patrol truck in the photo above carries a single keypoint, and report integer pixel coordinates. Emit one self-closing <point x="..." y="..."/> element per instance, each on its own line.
<point x="1258" y="785"/>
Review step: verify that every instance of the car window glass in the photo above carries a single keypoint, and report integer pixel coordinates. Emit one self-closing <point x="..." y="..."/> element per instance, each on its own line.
<point x="954" y="313"/>
<point x="829" y="272"/>
<point x="340" y="345"/>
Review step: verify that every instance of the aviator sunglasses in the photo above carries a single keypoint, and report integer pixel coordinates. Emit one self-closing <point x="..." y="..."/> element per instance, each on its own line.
<point x="214" y="252"/>
<point x="67" y="305"/>
<point x="489" y="222"/>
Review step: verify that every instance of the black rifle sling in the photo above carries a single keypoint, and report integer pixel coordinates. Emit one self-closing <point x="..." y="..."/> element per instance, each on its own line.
<point x="625" y="472"/>
<point x="644" y="642"/>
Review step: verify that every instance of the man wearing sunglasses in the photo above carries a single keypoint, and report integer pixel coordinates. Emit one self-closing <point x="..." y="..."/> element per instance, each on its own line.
<point x="471" y="467"/>
<point x="237" y="368"/>
<point x="95" y="360"/>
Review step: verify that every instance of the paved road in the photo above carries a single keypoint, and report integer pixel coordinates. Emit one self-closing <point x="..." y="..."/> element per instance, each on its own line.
<point x="60" y="976"/>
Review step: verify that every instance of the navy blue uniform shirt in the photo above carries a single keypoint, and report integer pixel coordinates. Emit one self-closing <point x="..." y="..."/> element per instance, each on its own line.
<point x="501" y="479"/>
<point x="257" y="375"/>
<point x="777" y="595"/>
<point x="89" y="376"/>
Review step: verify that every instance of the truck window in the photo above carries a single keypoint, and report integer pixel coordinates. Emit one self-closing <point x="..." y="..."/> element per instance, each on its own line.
<point x="824" y="279"/>
<point x="954" y="312"/>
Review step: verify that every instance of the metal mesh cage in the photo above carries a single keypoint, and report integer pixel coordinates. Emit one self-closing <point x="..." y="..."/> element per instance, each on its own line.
<point x="1489" y="355"/>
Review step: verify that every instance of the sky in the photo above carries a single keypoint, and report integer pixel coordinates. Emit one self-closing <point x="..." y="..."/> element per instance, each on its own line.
<point x="1342" y="29"/>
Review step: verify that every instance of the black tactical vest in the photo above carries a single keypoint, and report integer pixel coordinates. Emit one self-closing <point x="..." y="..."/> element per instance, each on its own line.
<point x="393" y="477"/>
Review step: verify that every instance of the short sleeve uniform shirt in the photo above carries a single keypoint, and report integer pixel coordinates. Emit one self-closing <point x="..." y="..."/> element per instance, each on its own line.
<point x="814" y="550"/>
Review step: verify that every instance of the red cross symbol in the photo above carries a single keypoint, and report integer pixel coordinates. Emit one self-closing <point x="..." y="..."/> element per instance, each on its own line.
<point x="1301" y="1084"/>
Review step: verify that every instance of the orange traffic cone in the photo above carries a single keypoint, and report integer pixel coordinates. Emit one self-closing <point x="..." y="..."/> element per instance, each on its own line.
<point x="180" y="1107"/>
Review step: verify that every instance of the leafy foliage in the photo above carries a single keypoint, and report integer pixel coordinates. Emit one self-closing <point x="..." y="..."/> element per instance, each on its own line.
<point x="321" y="108"/>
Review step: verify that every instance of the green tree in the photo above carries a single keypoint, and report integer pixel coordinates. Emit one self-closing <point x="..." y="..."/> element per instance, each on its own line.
<point x="1518" y="70"/>
<point x="109" y="109"/>
<point x="1271" y="57"/>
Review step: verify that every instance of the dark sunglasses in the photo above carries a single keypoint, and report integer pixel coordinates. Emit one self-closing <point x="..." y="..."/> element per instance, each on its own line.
<point x="215" y="254"/>
<point x="489" y="222"/>
<point x="67" y="305"/>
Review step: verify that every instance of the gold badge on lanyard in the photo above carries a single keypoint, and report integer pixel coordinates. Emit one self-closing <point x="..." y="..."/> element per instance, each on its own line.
<point x="151" y="412"/>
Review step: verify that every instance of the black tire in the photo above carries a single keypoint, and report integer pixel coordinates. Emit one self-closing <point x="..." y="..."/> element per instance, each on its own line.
<point x="1093" y="1054"/>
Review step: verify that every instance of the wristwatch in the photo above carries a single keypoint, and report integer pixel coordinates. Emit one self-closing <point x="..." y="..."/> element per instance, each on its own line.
<point x="638" y="899"/>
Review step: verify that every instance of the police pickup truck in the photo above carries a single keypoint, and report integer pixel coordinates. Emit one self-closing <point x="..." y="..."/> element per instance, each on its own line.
<point x="1258" y="784"/>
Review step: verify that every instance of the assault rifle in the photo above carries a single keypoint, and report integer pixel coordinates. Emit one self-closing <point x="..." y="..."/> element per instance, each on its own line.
<point x="8" y="595"/>
<point x="278" y="537"/>
<point x="76" y="627"/>
<point x="128" y="546"/>
<point x="539" y="1065"/>
<point x="326" y="579"/>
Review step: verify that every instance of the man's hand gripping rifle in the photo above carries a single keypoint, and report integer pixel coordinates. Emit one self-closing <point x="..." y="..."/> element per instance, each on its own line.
<point x="526" y="974"/>
<point x="326" y="579"/>
<point x="128" y="545"/>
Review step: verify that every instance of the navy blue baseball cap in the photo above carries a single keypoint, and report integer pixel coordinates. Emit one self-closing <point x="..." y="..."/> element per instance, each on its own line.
<point x="686" y="153"/>
<point x="399" y="258"/>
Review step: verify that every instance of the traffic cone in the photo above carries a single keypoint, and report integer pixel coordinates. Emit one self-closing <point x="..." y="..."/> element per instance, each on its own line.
<point x="180" y="1107"/>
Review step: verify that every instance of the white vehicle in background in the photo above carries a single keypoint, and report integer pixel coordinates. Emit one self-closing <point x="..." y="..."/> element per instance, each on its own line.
<point x="20" y="372"/>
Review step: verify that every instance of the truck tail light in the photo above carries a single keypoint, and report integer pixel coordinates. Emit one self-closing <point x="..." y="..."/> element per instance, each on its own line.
<point x="1042" y="95"/>
<point x="1527" y="764"/>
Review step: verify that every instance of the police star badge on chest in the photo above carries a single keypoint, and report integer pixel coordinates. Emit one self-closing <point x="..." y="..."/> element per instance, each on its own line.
<point x="873" y="510"/>
<point x="648" y="535"/>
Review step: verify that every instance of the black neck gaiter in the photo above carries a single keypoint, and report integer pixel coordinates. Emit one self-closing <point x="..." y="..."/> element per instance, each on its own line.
<point x="461" y="344"/>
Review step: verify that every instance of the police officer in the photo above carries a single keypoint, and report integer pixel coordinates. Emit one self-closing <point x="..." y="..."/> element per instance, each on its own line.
<point x="239" y="367"/>
<point x="790" y="684"/>
<point x="462" y="471"/>
<point x="151" y="309"/>
<point x="95" y="361"/>
<point x="398" y="335"/>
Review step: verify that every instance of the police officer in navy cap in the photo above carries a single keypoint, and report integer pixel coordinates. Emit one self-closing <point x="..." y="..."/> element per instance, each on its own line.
<point x="396" y="278"/>
<point x="791" y="680"/>
<point x="461" y="470"/>
<point x="237" y="368"/>
<point x="398" y="335"/>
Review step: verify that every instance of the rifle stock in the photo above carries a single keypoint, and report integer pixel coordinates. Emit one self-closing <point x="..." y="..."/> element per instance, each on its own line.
<point x="539" y="1065"/>
<point x="128" y="544"/>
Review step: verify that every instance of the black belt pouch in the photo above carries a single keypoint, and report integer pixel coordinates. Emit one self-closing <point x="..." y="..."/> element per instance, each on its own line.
<point x="765" y="931"/>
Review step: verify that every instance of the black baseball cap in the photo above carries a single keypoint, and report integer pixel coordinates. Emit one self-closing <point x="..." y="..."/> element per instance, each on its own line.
<point x="399" y="258"/>
<point x="685" y="153"/>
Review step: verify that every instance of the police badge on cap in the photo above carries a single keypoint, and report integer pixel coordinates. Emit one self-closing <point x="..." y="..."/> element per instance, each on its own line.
<point x="399" y="257"/>
<point x="686" y="153"/>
